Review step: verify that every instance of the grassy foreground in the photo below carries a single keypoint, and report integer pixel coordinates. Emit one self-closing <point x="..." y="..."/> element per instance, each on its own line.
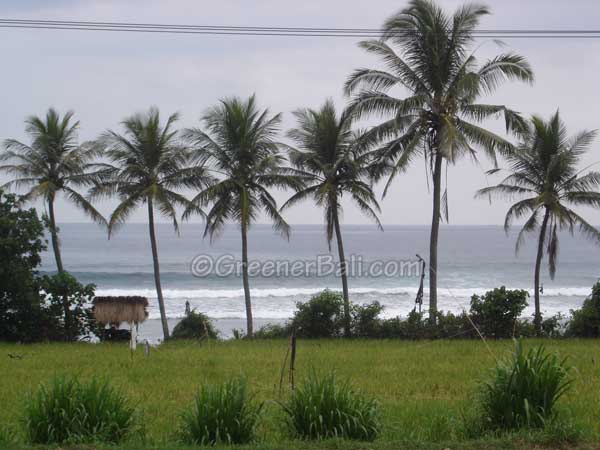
<point x="424" y="388"/>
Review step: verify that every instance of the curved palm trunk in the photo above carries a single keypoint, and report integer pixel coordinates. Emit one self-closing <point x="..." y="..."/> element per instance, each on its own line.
<point x="433" y="241"/>
<point x="161" y="302"/>
<point x="537" y="320"/>
<point x="343" y="272"/>
<point x="59" y="266"/>
<point x="249" y="325"/>
<point x="54" y="236"/>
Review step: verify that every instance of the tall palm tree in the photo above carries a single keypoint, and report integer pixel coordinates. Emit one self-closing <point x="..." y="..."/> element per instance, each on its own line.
<point x="54" y="163"/>
<point x="333" y="163"/>
<point x="439" y="117"/>
<point x="239" y="143"/>
<point x="149" y="165"/>
<point x="544" y="171"/>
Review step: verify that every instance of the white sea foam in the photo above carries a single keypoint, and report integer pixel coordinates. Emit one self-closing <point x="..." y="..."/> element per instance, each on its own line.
<point x="295" y="292"/>
<point x="280" y="303"/>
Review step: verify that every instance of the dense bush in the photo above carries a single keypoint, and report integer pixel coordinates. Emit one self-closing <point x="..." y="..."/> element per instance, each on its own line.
<point x="523" y="392"/>
<point x="417" y="326"/>
<point x="323" y="407"/>
<point x="365" y="320"/>
<point x="221" y="413"/>
<point x="194" y="326"/>
<point x="320" y="317"/>
<point x="67" y="305"/>
<point x="21" y="244"/>
<point x="61" y="310"/>
<point x="551" y="327"/>
<point x="70" y="411"/>
<point x="585" y="322"/>
<point x="273" y="331"/>
<point x="496" y="312"/>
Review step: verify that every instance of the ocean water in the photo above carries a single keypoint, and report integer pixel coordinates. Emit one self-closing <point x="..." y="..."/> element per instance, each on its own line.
<point x="472" y="259"/>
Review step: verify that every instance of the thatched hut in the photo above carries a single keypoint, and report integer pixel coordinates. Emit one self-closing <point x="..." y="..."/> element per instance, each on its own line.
<point x="116" y="310"/>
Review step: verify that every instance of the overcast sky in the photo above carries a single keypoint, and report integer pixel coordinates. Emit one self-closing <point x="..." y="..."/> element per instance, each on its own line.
<point x="105" y="76"/>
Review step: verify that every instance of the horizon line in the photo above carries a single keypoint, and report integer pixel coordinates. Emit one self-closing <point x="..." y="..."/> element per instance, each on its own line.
<point x="311" y="224"/>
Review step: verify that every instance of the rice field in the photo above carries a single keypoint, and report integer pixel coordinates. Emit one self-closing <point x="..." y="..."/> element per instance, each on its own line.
<point x="425" y="389"/>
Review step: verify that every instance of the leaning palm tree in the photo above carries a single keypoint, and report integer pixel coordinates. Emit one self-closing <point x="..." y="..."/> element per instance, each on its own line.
<point x="333" y="163"/>
<point x="439" y="117"/>
<point x="239" y="144"/>
<point x="544" y="171"/>
<point x="149" y="165"/>
<point x="54" y="163"/>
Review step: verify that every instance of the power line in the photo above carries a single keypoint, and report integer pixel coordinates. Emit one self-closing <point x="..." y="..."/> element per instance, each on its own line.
<point x="274" y="31"/>
<point x="257" y="28"/>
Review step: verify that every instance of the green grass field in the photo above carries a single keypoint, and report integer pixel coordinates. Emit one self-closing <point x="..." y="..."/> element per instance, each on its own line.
<point x="424" y="388"/>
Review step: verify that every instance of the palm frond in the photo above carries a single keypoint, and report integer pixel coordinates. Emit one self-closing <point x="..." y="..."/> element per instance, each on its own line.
<point x="85" y="205"/>
<point x="530" y="225"/>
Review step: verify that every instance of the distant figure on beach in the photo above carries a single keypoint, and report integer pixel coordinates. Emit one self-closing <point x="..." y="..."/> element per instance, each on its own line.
<point x="187" y="308"/>
<point x="542" y="289"/>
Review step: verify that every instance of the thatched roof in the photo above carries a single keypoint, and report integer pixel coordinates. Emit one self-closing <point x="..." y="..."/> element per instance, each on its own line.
<point x="115" y="310"/>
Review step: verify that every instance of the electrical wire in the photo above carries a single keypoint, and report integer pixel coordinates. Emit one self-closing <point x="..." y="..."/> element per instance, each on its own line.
<point x="131" y="27"/>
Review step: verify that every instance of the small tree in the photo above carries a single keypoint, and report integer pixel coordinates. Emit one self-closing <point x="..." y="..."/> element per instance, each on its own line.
<point x="195" y="326"/>
<point x="320" y="317"/>
<point x="496" y="312"/>
<point x="67" y="306"/>
<point x="586" y="321"/>
<point x="21" y="242"/>
<point x="26" y="315"/>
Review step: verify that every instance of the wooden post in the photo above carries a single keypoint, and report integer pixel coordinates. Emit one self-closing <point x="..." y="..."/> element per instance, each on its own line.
<point x="293" y="358"/>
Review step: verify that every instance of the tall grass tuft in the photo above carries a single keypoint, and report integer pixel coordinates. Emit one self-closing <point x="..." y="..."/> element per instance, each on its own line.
<point x="323" y="407"/>
<point x="523" y="391"/>
<point x="7" y="436"/>
<point x="69" y="411"/>
<point x="221" y="414"/>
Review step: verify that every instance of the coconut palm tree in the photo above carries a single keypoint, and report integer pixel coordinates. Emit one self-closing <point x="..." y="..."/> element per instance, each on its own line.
<point x="544" y="170"/>
<point x="333" y="163"/>
<point x="149" y="165"/>
<point x="239" y="143"/>
<point x="54" y="163"/>
<point x="428" y="54"/>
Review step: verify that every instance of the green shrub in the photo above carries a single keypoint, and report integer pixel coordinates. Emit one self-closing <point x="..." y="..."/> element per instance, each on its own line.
<point x="496" y="312"/>
<point x="320" y="317"/>
<point x="22" y="318"/>
<point x="273" y="331"/>
<point x="365" y="320"/>
<point x="454" y="326"/>
<point x="322" y="408"/>
<point x="194" y="326"/>
<point x="68" y="410"/>
<point x="552" y="327"/>
<point x="221" y="413"/>
<point x="585" y="322"/>
<point x="523" y="391"/>
<point x="68" y="306"/>
<point x="417" y="326"/>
